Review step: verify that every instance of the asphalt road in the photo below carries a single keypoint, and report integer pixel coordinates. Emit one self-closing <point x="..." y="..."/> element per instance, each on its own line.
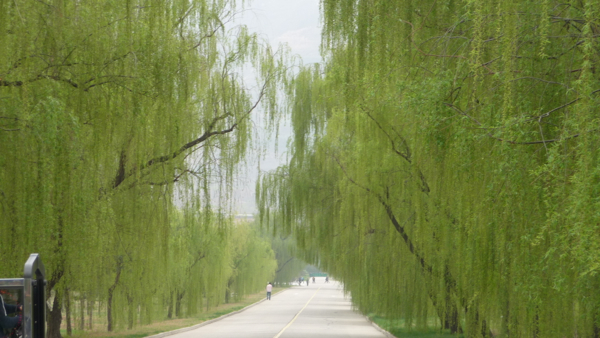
<point x="317" y="310"/>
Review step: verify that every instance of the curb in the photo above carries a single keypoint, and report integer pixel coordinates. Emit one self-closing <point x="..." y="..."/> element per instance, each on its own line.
<point x="190" y="328"/>
<point x="386" y="333"/>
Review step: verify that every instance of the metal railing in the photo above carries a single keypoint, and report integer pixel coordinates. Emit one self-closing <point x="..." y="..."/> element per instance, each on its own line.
<point x="33" y="288"/>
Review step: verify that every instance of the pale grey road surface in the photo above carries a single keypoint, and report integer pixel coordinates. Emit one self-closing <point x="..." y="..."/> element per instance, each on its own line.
<point x="318" y="310"/>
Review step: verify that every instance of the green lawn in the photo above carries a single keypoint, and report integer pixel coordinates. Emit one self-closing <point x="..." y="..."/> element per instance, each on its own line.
<point x="173" y="324"/>
<point x="399" y="329"/>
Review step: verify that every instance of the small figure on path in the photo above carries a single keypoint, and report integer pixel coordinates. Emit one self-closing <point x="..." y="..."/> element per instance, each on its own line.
<point x="269" y="289"/>
<point x="326" y="279"/>
<point x="313" y="280"/>
<point x="307" y="280"/>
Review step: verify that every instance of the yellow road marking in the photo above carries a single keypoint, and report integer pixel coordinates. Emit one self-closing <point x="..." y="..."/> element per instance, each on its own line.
<point x="297" y="314"/>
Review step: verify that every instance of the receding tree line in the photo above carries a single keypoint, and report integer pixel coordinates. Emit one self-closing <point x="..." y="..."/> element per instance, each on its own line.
<point x="120" y="123"/>
<point x="444" y="163"/>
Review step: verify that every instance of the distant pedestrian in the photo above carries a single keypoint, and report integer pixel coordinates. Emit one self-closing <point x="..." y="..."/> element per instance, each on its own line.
<point x="313" y="280"/>
<point x="307" y="280"/>
<point x="269" y="289"/>
<point x="326" y="279"/>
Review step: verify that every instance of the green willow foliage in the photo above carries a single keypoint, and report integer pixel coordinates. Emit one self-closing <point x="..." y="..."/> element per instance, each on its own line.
<point x="289" y="264"/>
<point x="446" y="163"/>
<point x="254" y="261"/>
<point x="116" y="118"/>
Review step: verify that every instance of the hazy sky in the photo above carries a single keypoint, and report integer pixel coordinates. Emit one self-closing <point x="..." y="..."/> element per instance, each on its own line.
<point x="296" y="23"/>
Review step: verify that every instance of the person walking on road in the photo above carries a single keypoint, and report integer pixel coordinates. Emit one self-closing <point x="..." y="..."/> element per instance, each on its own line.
<point x="269" y="289"/>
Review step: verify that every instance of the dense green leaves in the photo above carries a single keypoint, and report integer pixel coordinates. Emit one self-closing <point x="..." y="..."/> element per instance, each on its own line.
<point x="445" y="163"/>
<point x="119" y="120"/>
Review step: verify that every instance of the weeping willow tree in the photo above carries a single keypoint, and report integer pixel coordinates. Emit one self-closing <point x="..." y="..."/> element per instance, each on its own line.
<point x="214" y="263"/>
<point x="289" y="262"/>
<point x="113" y="116"/>
<point x="197" y="247"/>
<point x="253" y="262"/>
<point x="445" y="163"/>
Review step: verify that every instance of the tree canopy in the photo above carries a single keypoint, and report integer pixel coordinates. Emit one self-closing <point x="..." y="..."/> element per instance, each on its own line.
<point x="445" y="163"/>
<point x="118" y="122"/>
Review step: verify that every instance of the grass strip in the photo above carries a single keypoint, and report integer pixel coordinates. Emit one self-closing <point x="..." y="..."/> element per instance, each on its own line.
<point x="399" y="329"/>
<point x="173" y="324"/>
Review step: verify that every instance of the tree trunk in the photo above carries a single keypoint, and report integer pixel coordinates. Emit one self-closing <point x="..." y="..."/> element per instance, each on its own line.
<point x="68" y="312"/>
<point x="91" y="314"/>
<point x="131" y="312"/>
<point x="477" y="323"/>
<point x="228" y="290"/>
<point x="178" y="304"/>
<point x="536" y="325"/>
<point x="170" y="307"/>
<point x="447" y="310"/>
<point x="55" y="317"/>
<point x="111" y="290"/>
<point x="451" y="319"/>
<point x="109" y="326"/>
<point x="82" y="313"/>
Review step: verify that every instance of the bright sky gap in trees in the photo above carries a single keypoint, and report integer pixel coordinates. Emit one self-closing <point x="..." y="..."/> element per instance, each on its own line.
<point x="444" y="162"/>
<point x="116" y="120"/>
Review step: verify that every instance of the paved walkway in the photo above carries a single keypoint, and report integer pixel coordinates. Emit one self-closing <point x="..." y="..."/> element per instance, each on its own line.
<point x="317" y="310"/>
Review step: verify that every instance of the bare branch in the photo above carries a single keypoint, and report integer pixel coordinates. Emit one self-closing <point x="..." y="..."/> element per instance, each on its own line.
<point x="198" y="258"/>
<point x="437" y="55"/>
<point x="174" y="180"/>
<point x="536" y="142"/>
<point x="462" y="113"/>
<point x="284" y="264"/>
<point x="208" y="134"/>
<point x="4" y="83"/>
<point x="406" y="154"/>
<point x="399" y="228"/>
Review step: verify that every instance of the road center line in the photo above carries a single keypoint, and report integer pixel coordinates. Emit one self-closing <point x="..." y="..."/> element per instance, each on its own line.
<point x="297" y="314"/>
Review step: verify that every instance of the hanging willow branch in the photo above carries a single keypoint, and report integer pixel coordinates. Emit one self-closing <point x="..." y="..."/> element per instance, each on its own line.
<point x="538" y="118"/>
<point x="448" y="315"/>
<point x="209" y="133"/>
<point x="106" y="98"/>
<point x="399" y="228"/>
<point x="284" y="264"/>
<point x="406" y="154"/>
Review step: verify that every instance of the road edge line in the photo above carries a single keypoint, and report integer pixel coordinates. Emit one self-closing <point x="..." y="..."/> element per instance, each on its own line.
<point x="193" y="327"/>
<point x="385" y="332"/>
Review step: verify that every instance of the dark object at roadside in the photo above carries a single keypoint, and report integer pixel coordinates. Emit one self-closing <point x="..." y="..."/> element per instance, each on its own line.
<point x="30" y="291"/>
